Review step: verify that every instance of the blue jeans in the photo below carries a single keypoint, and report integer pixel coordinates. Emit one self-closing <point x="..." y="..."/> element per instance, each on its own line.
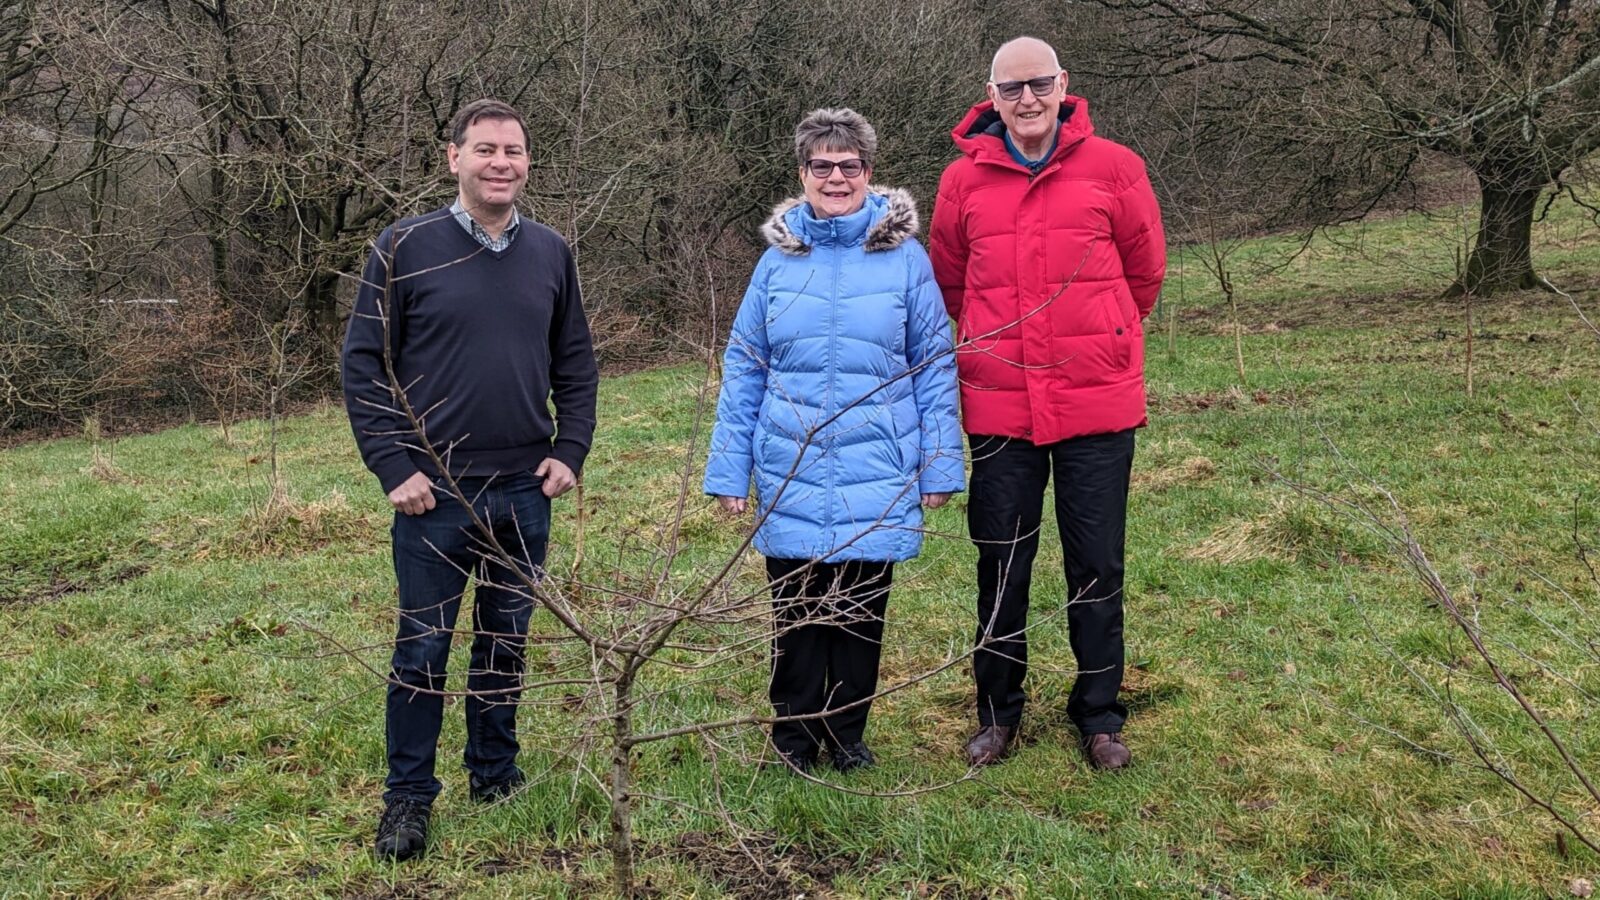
<point x="433" y="553"/>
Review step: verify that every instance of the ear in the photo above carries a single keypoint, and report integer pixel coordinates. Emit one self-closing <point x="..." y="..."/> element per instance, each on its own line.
<point x="988" y="90"/>
<point x="453" y="154"/>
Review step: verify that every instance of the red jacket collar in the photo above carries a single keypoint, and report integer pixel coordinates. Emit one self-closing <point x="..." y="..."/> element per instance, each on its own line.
<point x="979" y="134"/>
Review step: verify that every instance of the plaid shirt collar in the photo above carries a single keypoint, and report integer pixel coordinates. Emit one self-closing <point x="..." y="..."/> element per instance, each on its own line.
<point x="473" y="228"/>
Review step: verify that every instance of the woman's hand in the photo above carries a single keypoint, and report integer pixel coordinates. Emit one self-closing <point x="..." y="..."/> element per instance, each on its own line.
<point x="735" y="505"/>
<point x="934" y="501"/>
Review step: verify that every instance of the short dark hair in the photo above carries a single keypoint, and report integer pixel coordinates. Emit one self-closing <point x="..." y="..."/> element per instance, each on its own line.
<point x="486" y="108"/>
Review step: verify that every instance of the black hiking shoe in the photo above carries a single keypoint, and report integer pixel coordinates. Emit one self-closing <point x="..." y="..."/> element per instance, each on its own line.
<point x="851" y="757"/>
<point x="796" y="763"/>
<point x="497" y="791"/>
<point x="402" y="830"/>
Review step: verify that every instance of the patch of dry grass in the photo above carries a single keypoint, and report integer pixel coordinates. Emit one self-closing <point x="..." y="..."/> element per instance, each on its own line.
<point x="283" y="525"/>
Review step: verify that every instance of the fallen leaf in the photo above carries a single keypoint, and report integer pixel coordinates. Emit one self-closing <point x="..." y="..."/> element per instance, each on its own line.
<point x="1580" y="887"/>
<point x="1237" y="675"/>
<point x="1289" y="669"/>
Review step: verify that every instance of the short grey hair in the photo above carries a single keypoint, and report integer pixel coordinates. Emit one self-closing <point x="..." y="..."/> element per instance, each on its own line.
<point x="838" y="130"/>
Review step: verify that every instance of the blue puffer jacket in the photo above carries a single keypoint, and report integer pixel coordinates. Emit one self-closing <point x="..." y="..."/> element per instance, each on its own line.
<point x="839" y="387"/>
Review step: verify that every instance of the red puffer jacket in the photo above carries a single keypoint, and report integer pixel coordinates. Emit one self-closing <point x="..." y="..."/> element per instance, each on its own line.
<point x="1049" y="278"/>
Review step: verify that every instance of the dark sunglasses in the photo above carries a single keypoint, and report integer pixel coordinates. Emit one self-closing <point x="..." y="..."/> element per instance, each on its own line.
<point x="822" y="168"/>
<point x="1039" y="87"/>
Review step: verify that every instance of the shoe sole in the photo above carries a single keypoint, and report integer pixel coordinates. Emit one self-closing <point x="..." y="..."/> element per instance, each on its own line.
<point x="386" y="857"/>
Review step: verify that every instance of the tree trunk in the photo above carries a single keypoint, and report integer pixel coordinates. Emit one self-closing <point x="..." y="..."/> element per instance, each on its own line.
<point x="322" y="306"/>
<point x="1501" y="257"/>
<point x="621" y="797"/>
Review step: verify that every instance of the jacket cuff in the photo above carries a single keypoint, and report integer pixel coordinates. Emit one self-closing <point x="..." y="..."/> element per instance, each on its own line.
<point x="936" y="485"/>
<point x="571" y="453"/>
<point x="394" y="471"/>
<point x="728" y="477"/>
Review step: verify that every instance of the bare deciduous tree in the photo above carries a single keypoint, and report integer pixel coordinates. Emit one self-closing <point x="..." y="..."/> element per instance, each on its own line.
<point x="1360" y="90"/>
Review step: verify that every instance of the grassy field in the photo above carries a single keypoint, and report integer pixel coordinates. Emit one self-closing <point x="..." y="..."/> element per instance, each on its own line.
<point x="173" y="721"/>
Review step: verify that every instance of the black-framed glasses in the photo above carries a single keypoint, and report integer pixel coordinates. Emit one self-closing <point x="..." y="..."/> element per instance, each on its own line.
<point x="822" y="168"/>
<point x="1039" y="87"/>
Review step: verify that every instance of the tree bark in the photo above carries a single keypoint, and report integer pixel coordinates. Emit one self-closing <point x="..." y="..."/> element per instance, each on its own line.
<point x="322" y="303"/>
<point x="1502" y="256"/>
<point x="621" y="797"/>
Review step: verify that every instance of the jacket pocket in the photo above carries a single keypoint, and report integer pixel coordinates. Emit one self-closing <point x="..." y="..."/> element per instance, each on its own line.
<point x="894" y="441"/>
<point x="1117" y="328"/>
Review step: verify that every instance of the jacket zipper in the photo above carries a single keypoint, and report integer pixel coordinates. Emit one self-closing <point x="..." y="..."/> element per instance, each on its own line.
<point x="833" y="376"/>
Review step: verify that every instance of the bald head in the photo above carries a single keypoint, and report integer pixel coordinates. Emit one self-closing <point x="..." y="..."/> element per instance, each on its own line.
<point x="1021" y="58"/>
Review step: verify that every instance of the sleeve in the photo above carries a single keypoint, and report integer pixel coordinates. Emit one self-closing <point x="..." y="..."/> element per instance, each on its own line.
<point x="947" y="243"/>
<point x="381" y="430"/>
<point x="1140" y="239"/>
<point x="574" y="374"/>
<point x="744" y="383"/>
<point x="931" y="356"/>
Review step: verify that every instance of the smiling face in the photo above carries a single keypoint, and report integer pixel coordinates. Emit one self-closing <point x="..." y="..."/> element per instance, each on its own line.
<point x="835" y="195"/>
<point x="1030" y="118"/>
<point x="491" y="166"/>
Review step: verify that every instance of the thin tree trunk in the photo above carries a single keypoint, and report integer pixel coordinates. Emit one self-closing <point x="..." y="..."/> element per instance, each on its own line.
<point x="99" y="185"/>
<point x="217" y="235"/>
<point x="621" y="799"/>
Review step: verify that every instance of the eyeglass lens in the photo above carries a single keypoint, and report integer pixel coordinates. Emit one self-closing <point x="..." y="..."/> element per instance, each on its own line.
<point x="822" y="168"/>
<point x="1039" y="87"/>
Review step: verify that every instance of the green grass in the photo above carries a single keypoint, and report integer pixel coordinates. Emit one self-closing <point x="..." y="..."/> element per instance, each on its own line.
<point x="174" y="721"/>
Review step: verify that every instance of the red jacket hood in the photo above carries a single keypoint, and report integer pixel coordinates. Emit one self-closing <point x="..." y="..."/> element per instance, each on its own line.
<point x="979" y="134"/>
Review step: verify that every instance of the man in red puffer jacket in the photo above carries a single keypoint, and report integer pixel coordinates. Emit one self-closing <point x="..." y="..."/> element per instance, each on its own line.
<point x="1047" y="244"/>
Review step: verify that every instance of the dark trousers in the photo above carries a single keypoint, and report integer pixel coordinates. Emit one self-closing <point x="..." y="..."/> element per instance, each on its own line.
<point x="1005" y="504"/>
<point x="828" y="621"/>
<point x="433" y="553"/>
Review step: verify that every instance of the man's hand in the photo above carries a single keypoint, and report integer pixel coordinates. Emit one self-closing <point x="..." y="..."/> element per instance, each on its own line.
<point x="934" y="501"/>
<point x="558" y="479"/>
<point x="735" y="505"/>
<point x="414" y="496"/>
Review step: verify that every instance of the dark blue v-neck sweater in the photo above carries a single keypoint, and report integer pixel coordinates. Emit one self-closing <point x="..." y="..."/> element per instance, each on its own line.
<point x="481" y="342"/>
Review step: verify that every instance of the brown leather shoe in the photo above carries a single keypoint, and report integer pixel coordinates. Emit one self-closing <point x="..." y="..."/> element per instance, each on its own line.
<point x="991" y="744"/>
<point x="1106" y="751"/>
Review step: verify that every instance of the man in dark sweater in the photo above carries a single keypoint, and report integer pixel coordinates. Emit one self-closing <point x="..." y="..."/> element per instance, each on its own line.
<point x="470" y="317"/>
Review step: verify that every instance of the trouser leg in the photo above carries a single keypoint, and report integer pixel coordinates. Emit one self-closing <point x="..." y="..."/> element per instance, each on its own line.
<point x="1092" y="475"/>
<point x="799" y="665"/>
<point x="1005" y="504"/>
<point x="858" y="599"/>
<point x="431" y="558"/>
<point x="502" y="605"/>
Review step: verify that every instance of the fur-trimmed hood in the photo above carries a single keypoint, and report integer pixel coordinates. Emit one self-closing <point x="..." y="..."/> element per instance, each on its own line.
<point x="885" y="221"/>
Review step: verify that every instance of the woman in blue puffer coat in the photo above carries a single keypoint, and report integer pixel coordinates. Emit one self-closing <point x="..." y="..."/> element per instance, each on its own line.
<point x="839" y="398"/>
